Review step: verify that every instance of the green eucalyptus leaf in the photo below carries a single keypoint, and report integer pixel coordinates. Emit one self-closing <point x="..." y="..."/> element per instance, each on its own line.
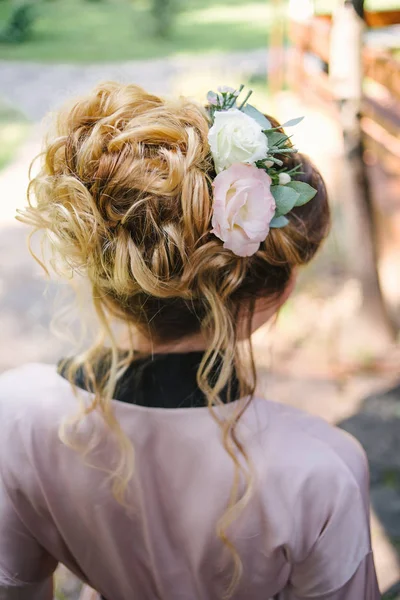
<point x="285" y="199"/>
<point x="305" y="192"/>
<point x="293" y="122"/>
<point x="255" y="114"/>
<point x="275" y="138"/>
<point x="278" y="222"/>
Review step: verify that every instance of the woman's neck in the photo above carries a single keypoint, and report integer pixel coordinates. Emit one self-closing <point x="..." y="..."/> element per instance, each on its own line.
<point x="144" y="345"/>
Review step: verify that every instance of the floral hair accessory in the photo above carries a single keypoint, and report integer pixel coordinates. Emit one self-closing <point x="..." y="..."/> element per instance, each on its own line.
<point x="253" y="192"/>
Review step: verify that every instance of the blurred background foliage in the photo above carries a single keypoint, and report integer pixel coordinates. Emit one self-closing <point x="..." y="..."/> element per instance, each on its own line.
<point x="327" y="6"/>
<point x="116" y="30"/>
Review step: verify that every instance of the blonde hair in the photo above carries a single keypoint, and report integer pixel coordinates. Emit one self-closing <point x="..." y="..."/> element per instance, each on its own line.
<point x="124" y="199"/>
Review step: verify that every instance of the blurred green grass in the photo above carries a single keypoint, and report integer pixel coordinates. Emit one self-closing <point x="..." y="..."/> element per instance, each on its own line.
<point x="14" y="129"/>
<point x="117" y="30"/>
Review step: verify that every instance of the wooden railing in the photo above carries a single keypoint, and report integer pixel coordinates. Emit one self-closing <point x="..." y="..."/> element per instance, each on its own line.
<point x="382" y="19"/>
<point x="381" y="104"/>
<point x="379" y="138"/>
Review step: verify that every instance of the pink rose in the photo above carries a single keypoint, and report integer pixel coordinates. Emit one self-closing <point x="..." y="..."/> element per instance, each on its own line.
<point x="243" y="208"/>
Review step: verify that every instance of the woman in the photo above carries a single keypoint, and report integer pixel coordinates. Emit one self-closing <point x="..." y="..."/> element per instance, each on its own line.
<point x="148" y="465"/>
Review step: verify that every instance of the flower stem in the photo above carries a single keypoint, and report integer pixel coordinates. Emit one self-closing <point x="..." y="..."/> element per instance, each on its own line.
<point x="237" y="95"/>
<point x="249" y="93"/>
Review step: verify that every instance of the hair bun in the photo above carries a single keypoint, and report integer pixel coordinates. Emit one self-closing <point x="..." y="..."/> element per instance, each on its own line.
<point x="124" y="195"/>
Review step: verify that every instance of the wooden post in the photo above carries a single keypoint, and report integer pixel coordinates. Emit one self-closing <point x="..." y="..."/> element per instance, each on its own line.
<point x="300" y="15"/>
<point x="276" y="52"/>
<point x="346" y="74"/>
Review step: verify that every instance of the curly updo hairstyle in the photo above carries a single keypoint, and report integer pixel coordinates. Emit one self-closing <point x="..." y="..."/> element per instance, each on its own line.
<point x="124" y="199"/>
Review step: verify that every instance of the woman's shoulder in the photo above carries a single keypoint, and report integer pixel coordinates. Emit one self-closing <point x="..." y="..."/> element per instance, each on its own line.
<point x="29" y="390"/>
<point x="28" y="378"/>
<point x="309" y="449"/>
<point x="314" y="479"/>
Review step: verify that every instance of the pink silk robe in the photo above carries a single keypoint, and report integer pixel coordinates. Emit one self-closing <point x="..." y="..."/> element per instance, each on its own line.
<point x="304" y="534"/>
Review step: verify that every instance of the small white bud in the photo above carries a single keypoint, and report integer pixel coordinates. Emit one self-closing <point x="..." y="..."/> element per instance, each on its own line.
<point x="284" y="178"/>
<point x="269" y="163"/>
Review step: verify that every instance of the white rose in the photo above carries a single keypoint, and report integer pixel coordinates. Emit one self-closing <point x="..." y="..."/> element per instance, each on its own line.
<point x="284" y="178"/>
<point x="236" y="138"/>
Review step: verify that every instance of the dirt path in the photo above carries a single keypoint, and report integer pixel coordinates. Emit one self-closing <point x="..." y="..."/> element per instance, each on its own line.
<point x="36" y="89"/>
